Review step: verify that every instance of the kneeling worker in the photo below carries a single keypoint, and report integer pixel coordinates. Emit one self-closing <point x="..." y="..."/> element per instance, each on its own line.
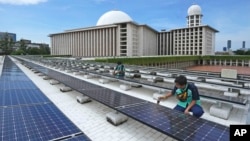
<point x="188" y="96"/>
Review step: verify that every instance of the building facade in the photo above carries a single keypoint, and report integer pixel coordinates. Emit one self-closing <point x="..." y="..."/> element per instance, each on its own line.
<point x="123" y="39"/>
<point x="11" y="36"/>
<point x="116" y="34"/>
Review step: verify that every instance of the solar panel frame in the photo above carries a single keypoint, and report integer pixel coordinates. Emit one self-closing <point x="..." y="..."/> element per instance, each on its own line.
<point x="27" y="114"/>
<point x="15" y="97"/>
<point x="165" y="85"/>
<point x="81" y="137"/>
<point x="176" y="124"/>
<point x="103" y="95"/>
<point x="17" y="85"/>
<point x="36" y="122"/>
<point x="112" y="98"/>
<point x="168" y="121"/>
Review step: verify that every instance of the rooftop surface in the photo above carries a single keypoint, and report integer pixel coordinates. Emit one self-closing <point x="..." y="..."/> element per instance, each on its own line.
<point x="240" y="69"/>
<point x="91" y="117"/>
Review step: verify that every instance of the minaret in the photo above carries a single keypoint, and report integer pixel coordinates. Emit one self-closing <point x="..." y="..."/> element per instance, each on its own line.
<point x="194" y="16"/>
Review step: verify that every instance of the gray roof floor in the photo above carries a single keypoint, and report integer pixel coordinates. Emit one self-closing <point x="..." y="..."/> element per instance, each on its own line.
<point x="91" y="117"/>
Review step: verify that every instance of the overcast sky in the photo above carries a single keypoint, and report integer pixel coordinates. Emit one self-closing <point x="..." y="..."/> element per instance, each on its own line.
<point x="36" y="19"/>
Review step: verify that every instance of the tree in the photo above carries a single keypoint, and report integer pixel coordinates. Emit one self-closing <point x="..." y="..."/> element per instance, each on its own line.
<point x="33" y="51"/>
<point x="247" y="52"/>
<point x="239" y="52"/>
<point x="18" y="52"/>
<point x="44" y="49"/>
<point x="23" y="46"/>
<point x="6" y="44"/>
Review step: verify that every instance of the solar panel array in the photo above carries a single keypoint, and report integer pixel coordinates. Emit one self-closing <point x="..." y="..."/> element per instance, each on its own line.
<point x="177" y="124"/>
<point x="170" y="122"/>
<point x="15" y="97"/>
<point x="27" y="114"/>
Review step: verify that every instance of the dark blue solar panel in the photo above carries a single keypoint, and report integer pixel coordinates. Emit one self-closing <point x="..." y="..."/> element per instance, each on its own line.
<point x="78" y="138"/>
<point x="14" y="97"/>
<point x="73" y="82"/>
<point x="70" y="81"/>
<point x="17" y="85"/>
<point x="34" y="123"/>
<point x="165" y="120"/>
<point x="106" y="96"/>
<point x="111" y="98"/>
<point x="27" y="114"/>
<point x="6" y="77"/>
<point x="177" y="124"/>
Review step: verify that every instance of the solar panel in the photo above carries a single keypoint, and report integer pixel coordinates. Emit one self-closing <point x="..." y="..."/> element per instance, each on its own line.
<point x="36" y="122"/>
<point x="70" y="81"/>
<point x="17" y="85"/>
<point x="73" y="82"/>
<point x="177" y="124"/>
<point x="14" y="97"/>
<point x="236" y="100"/>
<point x="14" y="78"/>
<point x="112" y="98"/>
<point x="78" y="138"/>
<point x="27" y="114"/>
<point x="168" y="121"/>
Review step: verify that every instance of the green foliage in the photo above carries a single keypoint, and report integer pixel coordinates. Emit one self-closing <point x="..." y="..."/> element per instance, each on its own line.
<point x="56" y="55"/>
<point x="149" y="60"/>
<point x="242" y="52"/>
<point x="18" y="52"/>
<point x="23" y="46"/>
<point x="6" y="44"/>
<point x="36" y="51"/>
<point x="247" y="52"/>
<point x="33" y="51"/>
<point x="226" y="57"/>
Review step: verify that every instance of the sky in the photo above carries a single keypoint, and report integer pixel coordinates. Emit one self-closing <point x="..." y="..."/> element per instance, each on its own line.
<point x="36" y="19"/>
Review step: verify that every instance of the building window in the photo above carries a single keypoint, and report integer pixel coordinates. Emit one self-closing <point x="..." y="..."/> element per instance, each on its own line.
<point x="123" y="25"/>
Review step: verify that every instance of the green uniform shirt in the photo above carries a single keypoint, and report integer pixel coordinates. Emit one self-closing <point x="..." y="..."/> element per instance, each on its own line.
<point x="121" y="69"/>
<point x="192" y="94"/>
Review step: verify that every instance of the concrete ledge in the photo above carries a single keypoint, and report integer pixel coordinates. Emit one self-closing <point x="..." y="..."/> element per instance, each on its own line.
<point x="68" y="71"/>
<point x="104" y="81"/>
<point x="65" y="89"/>
<point x="61" y="69"/>
<point x="88" y="76"/>
<point x="221" y="110"/>
<point x="156" y="79"/>
<point x="151" y="80"/>
<point x="46" y="78"/>
<point x="174" y="75"/>
<point x="161" y="92"/>
<point x="77" y="73"/>
<point x="116" y="118"/>
<point x="231" y="94"/>
<point x="54" y="82"/>
<point x="40" y="74"/>
<point x="247" y="85"/>
<point x="156" y="95"/>
<point x="35" y="71"/>
<point x="125" y="87"/>
<point x="83" y="99"/>
<point x="136" y="85"/>
<point x="234" y="90"/>
<point x="202" y="79"/>
<point x="101" y="70"/>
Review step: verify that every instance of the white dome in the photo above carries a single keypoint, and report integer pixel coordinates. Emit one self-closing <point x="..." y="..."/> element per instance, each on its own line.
<point x="113" y="16"/>
<point x="194" y="10"/>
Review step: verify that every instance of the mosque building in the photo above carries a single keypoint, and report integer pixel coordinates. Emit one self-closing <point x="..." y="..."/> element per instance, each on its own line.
<point x="116" y="34"/>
